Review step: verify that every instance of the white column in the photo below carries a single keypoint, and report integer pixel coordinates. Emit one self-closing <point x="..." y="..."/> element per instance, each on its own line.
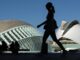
<point x="20" y="33"/>
<point x="13" y="35"/>
<point x="17" y="34"/>
<point x="4" y="39"/>
<point x="8" y="36"/>
<point x="28" y="29"/>
<point x="23" y="31"/>
<point x="28" y="35"/>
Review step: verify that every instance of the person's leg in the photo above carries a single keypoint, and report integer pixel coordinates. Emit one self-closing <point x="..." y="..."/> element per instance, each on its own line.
<point x="44" y="48"/>
<point x="53" y="35"/>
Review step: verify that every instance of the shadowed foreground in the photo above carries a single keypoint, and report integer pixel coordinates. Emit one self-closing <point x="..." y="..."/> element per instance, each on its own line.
<point x="37" y="56"/>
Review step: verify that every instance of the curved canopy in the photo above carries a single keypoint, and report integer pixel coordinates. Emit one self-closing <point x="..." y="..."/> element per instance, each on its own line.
<point x="7" y="24"/>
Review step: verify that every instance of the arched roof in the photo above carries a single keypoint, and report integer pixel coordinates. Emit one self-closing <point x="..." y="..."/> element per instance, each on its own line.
<point x="67" y="26"/>
<point x="7" y="24"/>
<point x="71" y="24"/>
<point x="73" y="33"/>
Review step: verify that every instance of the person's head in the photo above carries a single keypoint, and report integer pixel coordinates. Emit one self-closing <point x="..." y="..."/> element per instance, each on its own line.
<point x="49" y="6"/>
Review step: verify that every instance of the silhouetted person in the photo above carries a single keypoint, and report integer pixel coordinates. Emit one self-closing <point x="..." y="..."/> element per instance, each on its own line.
<point x="14" y="47"/>
<point x="3" y="47"/>
<point x="17" y="47"/>
<point x="50" y="26"/>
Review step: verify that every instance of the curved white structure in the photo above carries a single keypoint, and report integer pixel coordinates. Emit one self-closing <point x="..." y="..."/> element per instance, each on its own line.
<point x="61" y="30"/>
<point x="69" y="35"/>
<point x="59" y="33"/>
<point x="25" y="34"/>
<point x="73" y="33"/>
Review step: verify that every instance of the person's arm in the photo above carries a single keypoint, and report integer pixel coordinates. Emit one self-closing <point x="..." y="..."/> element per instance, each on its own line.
<point x="41" y="24"/>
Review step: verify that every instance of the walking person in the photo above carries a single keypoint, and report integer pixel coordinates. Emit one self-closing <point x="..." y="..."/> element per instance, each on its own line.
<point x="14" y="47"/>
<point x="50" y="26"/>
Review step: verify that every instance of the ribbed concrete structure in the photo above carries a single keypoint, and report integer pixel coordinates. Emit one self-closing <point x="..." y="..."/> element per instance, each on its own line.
<point x="7" y="24"/>
<point x="27" y="36"/>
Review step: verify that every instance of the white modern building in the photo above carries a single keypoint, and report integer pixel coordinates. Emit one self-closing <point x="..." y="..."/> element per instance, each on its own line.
<point x="69" y="34"/>
<point x="29" y="37"/>
<point x="24" y="33"/>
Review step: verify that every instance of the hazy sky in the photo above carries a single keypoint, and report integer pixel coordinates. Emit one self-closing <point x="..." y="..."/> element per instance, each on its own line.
<point x="34" y="11"/>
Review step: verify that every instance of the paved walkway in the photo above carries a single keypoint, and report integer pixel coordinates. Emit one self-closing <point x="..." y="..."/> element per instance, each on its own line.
<point x="38" y="56"/>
